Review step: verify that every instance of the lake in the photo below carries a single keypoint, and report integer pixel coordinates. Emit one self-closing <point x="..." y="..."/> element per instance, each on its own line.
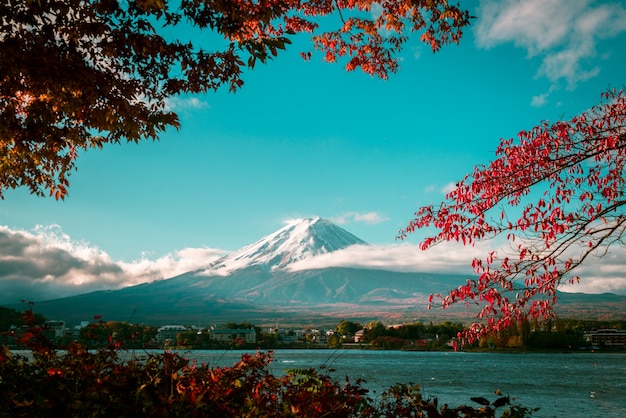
<point x="561" y="384"/>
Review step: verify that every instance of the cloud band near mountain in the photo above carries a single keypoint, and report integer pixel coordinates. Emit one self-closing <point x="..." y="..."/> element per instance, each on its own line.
<point x="46" y="264"/>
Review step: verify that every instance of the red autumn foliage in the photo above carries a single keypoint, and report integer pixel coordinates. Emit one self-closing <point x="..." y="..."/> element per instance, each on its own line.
<point x="579" y="165"/>
<point x="112" y="382"/>
<point x="77" y="74"/>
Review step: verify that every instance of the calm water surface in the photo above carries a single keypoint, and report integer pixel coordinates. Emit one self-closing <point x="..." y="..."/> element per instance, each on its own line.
<point x="562" y="385"/>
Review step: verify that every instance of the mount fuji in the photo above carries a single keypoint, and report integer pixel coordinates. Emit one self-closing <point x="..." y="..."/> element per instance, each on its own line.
<point x="297" y="241"/>
<point x="261" y="273"/>
<point x="257" y="284"/>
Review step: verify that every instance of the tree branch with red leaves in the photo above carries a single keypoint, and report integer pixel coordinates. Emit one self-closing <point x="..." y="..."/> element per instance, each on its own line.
<point x="579" y="165"/>
<point x="78" y="74"/>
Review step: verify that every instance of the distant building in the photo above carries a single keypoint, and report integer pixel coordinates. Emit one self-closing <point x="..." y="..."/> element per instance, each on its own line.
<point x="610" y="337"/>
<point x="358" y="336"/>
<point x="74" y="332"/>
<point x="288" y="339"/>
<point x="169" y="332"/>
<point x="286" y="336"/>
<point x="231" y="335"/>
<point x="54" y="330"/>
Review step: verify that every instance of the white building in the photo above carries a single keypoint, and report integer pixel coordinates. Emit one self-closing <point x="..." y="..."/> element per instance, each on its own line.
<point x="169" y="332"/>
<point x="230" y="335"/>
<point x="608" y="337"/>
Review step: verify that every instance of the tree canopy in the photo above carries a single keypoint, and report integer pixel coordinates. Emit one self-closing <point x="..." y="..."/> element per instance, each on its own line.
<point x="77" y="74"/>
<point x="566" y="182"/>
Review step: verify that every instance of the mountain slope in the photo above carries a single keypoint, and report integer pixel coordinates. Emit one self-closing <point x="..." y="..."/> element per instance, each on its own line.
<point x="253" y="293"/>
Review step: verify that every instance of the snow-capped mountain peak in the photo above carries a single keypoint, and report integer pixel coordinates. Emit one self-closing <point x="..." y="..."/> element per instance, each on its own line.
<point x="296" y="241"/>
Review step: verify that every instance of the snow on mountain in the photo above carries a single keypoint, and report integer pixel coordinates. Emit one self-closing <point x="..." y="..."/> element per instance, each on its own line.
<point x="296" y="241"/>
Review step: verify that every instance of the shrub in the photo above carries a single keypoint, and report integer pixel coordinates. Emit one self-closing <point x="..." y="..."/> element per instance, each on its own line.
<point x="102" y="383"/>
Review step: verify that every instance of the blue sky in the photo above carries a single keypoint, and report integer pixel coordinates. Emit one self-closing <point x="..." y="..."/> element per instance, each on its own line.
<point x="307" y="138"/>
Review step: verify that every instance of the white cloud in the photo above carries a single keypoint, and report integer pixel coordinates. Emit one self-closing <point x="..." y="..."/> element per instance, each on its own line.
<point x="598" y="284"/>
<point x="169" y="265"/>
<point x="367" y="218"/>
<point x="46" y="263"/>
<point x="606" y="274"/>
<point x="603" y="274"/>
<point x="184" y="103"/>
<point x="444" y="258"/>
<point x="566" y="64"/>
<point x="536" y="25"/>
<point x="448" y="188"/>
<point x="564" y="33"/>
<point x="539" y="100"/>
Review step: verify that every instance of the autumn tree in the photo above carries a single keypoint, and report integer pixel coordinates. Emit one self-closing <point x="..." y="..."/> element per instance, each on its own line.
<point x="556" y="194"/>
<point x="76" y="74"/>
<point x="348" y="327"/>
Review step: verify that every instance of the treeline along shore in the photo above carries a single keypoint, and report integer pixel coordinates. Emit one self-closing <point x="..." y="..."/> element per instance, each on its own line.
<point x="558" y="334"/>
